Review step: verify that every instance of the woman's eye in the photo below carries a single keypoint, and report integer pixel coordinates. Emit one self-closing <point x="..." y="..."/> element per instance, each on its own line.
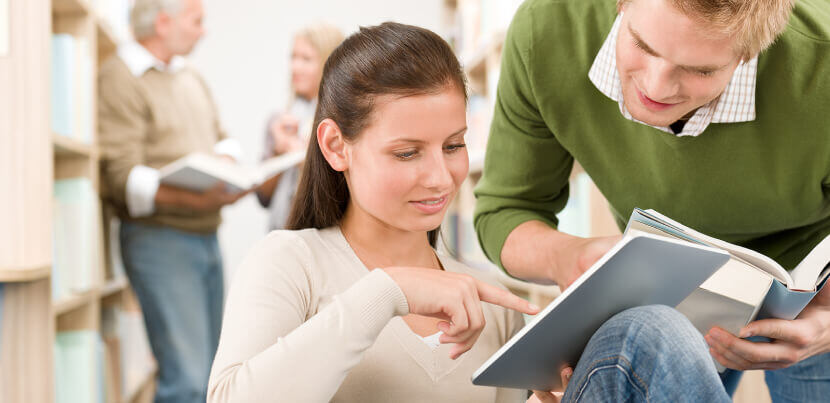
<point x="406" y="155"/>
<point x="455" y="147"/>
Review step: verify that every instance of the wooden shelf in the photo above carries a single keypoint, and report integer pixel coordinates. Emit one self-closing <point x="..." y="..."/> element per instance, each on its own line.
<point x="14" y="275"/>
<point x="133" y="391"/>
<point x="67" y="147"/>
<point x="113" y="287"/>
<point x="72" y="302"/>
<point x="70" y="6"/>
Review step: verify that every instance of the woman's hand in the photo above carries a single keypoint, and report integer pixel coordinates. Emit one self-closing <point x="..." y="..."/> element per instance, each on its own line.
<point x="578" y="255"/>
<point x="793" y="340"/>
<point x="455" y="299"/>
<point x="284" y="131"/>
<point x="553" y="396"/>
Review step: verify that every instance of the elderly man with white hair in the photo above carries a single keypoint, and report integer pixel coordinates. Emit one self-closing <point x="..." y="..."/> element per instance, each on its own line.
<point x="152" y="110"/>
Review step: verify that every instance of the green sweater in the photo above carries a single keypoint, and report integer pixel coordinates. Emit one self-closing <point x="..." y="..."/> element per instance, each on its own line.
<point x="763" y="184"/>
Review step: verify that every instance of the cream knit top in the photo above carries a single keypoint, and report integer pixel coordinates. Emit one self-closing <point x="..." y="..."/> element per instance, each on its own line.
<point x="306" y="321"/>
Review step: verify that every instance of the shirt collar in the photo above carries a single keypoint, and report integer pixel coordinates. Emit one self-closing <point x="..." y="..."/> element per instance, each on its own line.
<point x="736" y="103"/>
<point x="138" y="59"/>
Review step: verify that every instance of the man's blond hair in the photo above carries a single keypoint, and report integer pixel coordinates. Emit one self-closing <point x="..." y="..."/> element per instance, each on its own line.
<point x="753" y="23"/>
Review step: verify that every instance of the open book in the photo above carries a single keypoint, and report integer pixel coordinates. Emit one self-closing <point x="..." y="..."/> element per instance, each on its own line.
<point x="749" y="286"/>
<point x="658" y="261"/>
<point x="199" y="171"/>
<point x="641" y="269"/>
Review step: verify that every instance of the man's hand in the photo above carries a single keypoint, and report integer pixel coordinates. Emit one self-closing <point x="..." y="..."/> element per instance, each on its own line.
<point x="537" y="252"/>
<point x="284" y="132"/>
<point x="793" y="340"/>
<point x="553" y="396"/>
<point x="210" y="200"/>
<point x="215" y="198"/>
<point x="578" y="255"/>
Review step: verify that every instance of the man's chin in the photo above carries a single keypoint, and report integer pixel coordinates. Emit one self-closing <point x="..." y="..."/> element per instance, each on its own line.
<point x="654" y="119"/>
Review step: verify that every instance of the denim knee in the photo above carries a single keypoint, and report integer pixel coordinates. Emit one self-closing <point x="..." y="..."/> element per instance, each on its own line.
<point x="649" y="353"/>
<point x="654" y="321"/>
<point x="658" y="331"/>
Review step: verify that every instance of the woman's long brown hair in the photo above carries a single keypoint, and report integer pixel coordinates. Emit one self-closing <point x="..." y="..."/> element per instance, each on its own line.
<point x="388" y="59"/>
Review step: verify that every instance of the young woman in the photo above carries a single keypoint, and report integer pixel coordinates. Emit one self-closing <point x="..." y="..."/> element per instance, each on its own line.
<point x="354" y="303"/>
<point x="288" y="130"/>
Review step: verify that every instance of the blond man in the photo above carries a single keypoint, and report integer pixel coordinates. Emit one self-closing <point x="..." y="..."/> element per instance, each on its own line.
<point x="709" y="111"/>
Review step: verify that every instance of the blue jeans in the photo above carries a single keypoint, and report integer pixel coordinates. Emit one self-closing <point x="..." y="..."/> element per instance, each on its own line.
<point x="650" y="353"/>
<point x="653" y="353"/>
<point x="806" y="381"/>
<point x="177" y="277"/>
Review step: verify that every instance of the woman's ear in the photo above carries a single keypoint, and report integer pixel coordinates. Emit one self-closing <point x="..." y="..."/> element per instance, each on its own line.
<point x="332" y="144"/>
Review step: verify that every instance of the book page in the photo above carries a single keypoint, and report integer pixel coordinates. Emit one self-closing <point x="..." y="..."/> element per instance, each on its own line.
<point x="807" y="274"/>
<point x="752" y="257"/>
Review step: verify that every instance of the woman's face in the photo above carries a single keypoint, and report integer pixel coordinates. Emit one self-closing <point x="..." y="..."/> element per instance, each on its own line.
<point x="306" y="68"/>
<point x="405" y="168"/>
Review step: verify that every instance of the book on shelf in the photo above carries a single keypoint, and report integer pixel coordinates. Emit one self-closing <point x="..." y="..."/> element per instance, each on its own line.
<point x="201" y="171"/>
<point x="75" y="235"/>
<point x="749" y="286"/>
<point x="78" y="367"/>
<point x="72" y="80"/>
<point x="63" y="84"/>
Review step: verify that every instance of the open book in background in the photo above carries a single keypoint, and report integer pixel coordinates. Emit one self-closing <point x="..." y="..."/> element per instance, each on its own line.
<point x="199" y="171"/>
<point x="749" y="286"/>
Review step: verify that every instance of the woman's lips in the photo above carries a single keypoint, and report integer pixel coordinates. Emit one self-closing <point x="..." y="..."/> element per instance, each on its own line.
<point x="430" y="206"/>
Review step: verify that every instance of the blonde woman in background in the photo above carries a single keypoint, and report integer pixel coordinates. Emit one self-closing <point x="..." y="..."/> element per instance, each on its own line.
<point x="288" y="130"/>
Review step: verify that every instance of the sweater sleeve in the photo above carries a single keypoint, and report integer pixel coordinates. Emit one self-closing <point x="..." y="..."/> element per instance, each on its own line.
<point x="526" y="169"/>
<point x="122" y="128"/>
<point x="271" y="345"/>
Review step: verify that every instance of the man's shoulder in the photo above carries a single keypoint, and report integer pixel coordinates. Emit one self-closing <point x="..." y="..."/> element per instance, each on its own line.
<point x="811" y="21"/>
<point x="114" y="67"/>
<point x="566" y="11"/>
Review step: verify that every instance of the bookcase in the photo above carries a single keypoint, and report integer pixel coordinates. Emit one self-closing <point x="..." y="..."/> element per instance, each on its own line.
<point x="476" y="29"/>
<point x="70" y="329"/>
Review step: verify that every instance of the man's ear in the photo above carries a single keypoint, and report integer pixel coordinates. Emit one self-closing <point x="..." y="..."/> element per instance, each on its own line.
<point x="332" y="145"/>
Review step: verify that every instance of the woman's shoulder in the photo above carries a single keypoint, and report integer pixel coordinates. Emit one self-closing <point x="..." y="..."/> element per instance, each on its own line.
<point x="309" y="244"/>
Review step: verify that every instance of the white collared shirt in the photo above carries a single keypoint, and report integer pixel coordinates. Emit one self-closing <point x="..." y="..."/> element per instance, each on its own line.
<point x="143" y="181"/>
<point x="735" y="104"/>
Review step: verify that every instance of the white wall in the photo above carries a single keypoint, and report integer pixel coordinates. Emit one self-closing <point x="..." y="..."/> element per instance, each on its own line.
<point x="244" y="58"/>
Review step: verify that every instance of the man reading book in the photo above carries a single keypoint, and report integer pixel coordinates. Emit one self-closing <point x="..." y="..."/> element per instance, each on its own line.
<point x="711" y="112"/>
<point x="153" y="109"/>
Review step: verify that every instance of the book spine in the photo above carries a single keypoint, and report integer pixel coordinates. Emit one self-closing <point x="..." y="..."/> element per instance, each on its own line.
<point x="783" y="303"/>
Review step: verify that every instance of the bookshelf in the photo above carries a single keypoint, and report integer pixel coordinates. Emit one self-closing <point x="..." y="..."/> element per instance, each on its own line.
<point x="476" y="29"/>
<point x="48" y="144"/>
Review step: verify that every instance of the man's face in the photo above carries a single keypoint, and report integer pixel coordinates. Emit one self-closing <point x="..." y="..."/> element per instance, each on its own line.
<point x="670" y="65"/>
<point x="185" y="28"/>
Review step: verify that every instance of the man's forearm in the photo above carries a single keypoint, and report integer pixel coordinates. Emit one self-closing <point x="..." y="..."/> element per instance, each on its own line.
<point x="530" y="252"/>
